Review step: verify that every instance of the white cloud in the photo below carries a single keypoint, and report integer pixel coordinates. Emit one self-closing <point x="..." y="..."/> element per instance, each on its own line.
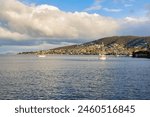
<point x="97" y="7"/>
<point x="136" y="20"/>
<point x="22" y="21"/>
<point x="4" y="33"/>
<point x="112" y="10"/>
<point x="126" y="3"/>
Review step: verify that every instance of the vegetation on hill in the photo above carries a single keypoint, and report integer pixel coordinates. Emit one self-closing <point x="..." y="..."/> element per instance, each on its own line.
<point x="116" y="45"/>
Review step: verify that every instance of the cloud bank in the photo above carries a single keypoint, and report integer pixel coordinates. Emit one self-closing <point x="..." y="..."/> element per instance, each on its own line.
<point x="22" y="21"/>
<point x="32" y="25"/>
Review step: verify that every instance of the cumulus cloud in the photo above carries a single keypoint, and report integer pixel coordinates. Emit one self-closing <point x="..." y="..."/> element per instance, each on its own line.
<point x="5" y="33"/>
<point x="22" y="21"/>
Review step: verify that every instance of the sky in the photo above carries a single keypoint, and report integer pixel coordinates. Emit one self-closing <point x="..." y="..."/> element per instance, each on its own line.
<point x="29" y="25"/>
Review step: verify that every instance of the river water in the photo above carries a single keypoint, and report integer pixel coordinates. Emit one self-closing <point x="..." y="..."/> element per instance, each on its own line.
<point x="62" y="77"/>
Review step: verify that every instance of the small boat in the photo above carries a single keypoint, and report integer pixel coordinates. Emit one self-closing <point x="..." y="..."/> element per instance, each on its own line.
<point x="117" y="55"/>
<point x="42" y="55"/>
<point x="102" y="53"/>
<point x="130" y="55"/>
<point x="102" y="57"/>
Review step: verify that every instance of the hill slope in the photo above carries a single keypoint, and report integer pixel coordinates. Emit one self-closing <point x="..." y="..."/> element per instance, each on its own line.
<point x="121" y="45"/>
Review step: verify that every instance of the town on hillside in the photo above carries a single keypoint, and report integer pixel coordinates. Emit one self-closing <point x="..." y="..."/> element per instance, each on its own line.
<point x="117" y="45"/>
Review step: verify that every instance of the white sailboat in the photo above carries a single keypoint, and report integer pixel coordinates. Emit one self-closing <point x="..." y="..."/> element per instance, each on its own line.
<point x="102" y="55"/>
<point x="41" y="55"/>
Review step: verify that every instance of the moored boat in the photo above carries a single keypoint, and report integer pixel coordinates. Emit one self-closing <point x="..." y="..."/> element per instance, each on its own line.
<point x="42" y="56"/>
<point x="102" y="57"/>
<point x="102" y="53"/>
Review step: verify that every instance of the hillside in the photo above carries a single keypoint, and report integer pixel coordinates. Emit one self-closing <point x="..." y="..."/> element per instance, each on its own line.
<point x="120" y="45"/>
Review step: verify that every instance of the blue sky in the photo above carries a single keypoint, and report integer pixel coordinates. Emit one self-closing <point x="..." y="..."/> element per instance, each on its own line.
<point x="43" y="24"/>
<point x="124" y="7"/>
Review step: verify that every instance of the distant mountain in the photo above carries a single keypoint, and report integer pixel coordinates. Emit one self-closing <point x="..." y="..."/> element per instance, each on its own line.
<point x="116" y="45"/>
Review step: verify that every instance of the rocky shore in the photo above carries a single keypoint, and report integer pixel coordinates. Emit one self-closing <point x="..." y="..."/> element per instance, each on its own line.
<point x="141" y="54"/>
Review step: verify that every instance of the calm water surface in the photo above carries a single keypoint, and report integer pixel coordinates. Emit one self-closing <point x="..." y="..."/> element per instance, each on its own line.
<point x="73" y="77"/>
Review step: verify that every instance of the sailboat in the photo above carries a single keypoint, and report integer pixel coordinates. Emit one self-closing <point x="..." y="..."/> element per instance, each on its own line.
<point x="41" y="55"/>
<point x="102" y="55"/>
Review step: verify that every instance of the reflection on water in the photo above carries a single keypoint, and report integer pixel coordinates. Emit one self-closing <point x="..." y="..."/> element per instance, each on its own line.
<point x="73" y="77"/>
